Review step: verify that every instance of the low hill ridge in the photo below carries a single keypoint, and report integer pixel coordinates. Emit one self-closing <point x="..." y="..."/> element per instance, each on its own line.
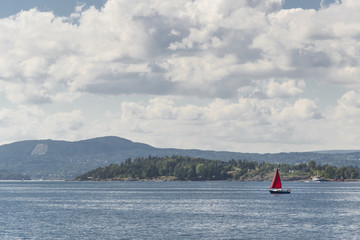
<point x="50" y="159"/>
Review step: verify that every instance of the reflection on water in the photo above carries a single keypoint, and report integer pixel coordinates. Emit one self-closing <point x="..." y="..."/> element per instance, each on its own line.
<point x="178" y="210"/>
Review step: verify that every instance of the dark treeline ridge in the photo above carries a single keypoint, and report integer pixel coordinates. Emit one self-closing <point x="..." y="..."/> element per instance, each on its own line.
<point x="195" y="169"/>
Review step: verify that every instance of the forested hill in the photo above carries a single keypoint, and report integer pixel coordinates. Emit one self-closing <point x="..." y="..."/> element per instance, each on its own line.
<point x="49" y="159"/>
<point x="195" y="169"/>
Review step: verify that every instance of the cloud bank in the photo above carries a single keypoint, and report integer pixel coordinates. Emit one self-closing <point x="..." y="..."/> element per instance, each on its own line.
<point x="245" y="66"/>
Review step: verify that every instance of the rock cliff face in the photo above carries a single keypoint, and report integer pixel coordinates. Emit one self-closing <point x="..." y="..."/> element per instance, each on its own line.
<point x="39" y="149"/>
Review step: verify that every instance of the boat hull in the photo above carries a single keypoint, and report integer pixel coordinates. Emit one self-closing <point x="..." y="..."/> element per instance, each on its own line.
<point x="279" y="191"/>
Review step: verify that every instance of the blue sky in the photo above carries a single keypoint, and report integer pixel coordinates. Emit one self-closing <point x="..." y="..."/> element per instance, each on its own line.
<point x="247" y="76"/>
<point x="305" y="4"/>
<point x="60" y="8"/>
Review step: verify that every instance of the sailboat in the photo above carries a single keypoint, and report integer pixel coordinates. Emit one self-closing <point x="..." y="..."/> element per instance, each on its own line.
<point x="276" y="184"/>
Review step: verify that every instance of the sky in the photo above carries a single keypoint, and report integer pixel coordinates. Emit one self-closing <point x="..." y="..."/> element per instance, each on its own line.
<point x="227" y="75"/>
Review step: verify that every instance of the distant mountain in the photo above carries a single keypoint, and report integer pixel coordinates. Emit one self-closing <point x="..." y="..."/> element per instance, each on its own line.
<point x="49" y="159"/>
<point x="6" y="175"/>
<point x="337" y="151"/>
<point x="61" y="159"/>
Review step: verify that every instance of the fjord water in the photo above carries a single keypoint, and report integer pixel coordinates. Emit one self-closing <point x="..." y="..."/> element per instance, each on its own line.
<point x="178" y="210"/>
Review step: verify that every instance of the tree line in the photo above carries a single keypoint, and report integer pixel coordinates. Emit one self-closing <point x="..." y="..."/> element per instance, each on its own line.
<point x="197" y="169"/>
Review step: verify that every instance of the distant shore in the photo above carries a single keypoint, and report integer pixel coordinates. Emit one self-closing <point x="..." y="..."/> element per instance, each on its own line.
<point x="198" y="169"/>
<point x="173" y="179"/>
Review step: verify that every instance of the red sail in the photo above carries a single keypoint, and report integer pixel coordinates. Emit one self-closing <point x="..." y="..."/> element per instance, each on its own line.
<point x="276" y="182"/>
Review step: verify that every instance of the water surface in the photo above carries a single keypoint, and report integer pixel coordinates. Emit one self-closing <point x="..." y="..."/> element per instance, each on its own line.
<point x="178" y="210"/>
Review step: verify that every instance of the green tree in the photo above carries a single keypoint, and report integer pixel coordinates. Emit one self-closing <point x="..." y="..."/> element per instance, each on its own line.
<point x="201" y="170"/>
<point x="191" y="174"/>
<point x="312" y="165"/>
<point x="180" y="172"/>
<point x="329" y="172"/>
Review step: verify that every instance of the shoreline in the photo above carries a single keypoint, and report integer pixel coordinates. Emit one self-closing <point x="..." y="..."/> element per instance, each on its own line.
<point x="172" y="179"/>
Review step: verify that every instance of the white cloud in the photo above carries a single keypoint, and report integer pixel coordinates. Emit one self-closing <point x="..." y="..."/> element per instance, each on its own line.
<point x="302" y="109"/>
<point x="163" y="122"/>
<point x="351" y="99"/>
<point x="281" y="88"/>
<point x="59" y="123"/>
<point x="248" y="60"/>
<point x="347" y="112"/>
<point x="202" y="45"/>
<point x="26" y="122"/>
<point x="289" y="88"/>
